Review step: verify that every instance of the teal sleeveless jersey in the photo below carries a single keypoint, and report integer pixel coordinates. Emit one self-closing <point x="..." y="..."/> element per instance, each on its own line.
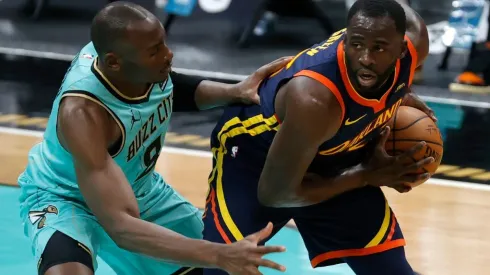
<point x="143" y="122"/>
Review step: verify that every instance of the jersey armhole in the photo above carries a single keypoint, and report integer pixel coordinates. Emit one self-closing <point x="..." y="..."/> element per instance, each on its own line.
<point x="415" y="59"/>
<point x="115" y="148"/>
<point x="327" y="83"/>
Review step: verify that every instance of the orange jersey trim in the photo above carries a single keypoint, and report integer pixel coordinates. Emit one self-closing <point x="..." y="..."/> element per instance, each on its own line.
<point x="392" y="229"/>
<point x="377" y="105"/>
<point x="415" y="58"/>
<point x="356" y="252"/>
<point x="216" y="218"/>
<point x="328" y="83"/>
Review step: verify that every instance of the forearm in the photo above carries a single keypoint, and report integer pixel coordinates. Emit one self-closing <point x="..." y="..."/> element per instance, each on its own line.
<point x="143" y="237"/>
<point x="193" y="93"/>
<point x="316" y="190"/>
<point x="113" y="202"/>
<point x="412" y="100"/>
<point x="210" y="94"/>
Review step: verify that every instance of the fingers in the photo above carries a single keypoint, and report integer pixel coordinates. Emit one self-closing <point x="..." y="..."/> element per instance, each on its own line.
<point x="261" y="235"/>
<point x="431" y="114"/>
<point x="416" y="166"/>
<point x="268" y="249"/>
<point x="269" y="264"/>
<point x="272" y="67"/>
<point x="409" y="153"/>
<point x="402" y="188"/>
<point x="384" y="136"/>
<point x="412" y="178"/>
<point x="413" y="100"/>
<point x="255" y="99"/>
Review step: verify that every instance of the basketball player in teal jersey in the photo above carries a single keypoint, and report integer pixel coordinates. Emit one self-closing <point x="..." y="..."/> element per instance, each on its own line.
<point x="312" y="150"/>
<point x="90" y="189"/>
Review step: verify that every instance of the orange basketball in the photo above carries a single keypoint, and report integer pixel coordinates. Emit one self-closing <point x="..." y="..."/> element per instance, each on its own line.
<point x="410" y="126"/>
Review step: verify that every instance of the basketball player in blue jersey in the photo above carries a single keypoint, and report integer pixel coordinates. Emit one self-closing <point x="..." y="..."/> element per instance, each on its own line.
<point x="313" y="151"/>
<point x="90" y="189"/>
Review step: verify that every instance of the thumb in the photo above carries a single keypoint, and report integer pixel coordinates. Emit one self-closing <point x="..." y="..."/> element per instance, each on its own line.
<point x="273" y="66"/>
<point x="384" y="136"/>
<point x="256" y="99"/>
<point x="262" y="234"/>
<point x="432" y="115"/>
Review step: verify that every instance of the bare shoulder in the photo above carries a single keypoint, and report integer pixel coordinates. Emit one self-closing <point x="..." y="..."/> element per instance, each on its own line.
<point x="80" y="119"/>
<point x="307" y="100"/>
<point x="418" y="35"/>
<point x="75" y="109"/>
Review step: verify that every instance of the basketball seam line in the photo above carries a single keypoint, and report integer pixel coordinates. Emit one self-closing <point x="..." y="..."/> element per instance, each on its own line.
<point x="409" y="125"/>
<point x="415" y="140"/>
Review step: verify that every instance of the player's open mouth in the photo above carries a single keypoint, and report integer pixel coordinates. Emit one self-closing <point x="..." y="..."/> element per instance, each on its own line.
<point x="366" y="79"/>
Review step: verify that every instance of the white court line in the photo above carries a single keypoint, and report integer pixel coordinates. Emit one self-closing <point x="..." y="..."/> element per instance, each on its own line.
<point x="166" y="149"/>
<point x="221" y="75"/>
<point x="205" y="154"/>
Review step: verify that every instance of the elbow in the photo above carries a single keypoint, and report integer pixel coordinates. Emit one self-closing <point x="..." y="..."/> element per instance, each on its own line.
<point x="265" y="200"/>
<point x="272" y="198"/>
<point x="120" y="231"/>
<point x="265" y="197"/>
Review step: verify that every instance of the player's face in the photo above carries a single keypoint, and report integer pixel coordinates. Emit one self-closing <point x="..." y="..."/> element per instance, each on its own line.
<point x="148" y="58"/>
<point x="372" y="47"/>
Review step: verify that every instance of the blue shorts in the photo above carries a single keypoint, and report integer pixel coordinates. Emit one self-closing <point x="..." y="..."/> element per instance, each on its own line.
<point x="354" y="224"/>
<point x="44" y="213"/>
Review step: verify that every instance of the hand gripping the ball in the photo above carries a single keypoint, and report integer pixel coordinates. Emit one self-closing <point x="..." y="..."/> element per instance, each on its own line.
<point x="397" y="172"/>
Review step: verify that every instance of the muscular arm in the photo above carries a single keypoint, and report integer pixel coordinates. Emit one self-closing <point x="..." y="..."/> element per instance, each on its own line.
<point x="311" y="116"/>
<point x="416" y="31"/>
<point x="211" y="94"/>
<point x="192" y="93"/>
<point x="83" y="129"/>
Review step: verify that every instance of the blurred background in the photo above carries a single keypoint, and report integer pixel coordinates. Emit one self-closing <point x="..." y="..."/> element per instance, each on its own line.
<point x="228" y="39"/>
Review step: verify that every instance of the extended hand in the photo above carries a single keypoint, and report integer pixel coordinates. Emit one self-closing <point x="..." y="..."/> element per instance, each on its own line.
<point x="245" y="257"/>
<point x="414" y="101"/>
<point x="248" y="88"/>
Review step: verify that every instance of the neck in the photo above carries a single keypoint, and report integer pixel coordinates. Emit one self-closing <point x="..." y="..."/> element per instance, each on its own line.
<point x="375" y="92"/>
<point x="122" y="84"/>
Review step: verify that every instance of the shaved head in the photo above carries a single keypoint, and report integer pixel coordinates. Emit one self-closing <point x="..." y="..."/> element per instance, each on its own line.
<point x="130" y="43"/>
<point x="110" y="25"/>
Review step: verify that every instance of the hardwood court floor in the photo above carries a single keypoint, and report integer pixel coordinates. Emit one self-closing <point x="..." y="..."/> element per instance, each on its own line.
<point x="446" y="227"/>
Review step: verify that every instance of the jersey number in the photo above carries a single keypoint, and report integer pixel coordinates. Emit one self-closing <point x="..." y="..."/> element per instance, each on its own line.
<point x="151" y="156"/>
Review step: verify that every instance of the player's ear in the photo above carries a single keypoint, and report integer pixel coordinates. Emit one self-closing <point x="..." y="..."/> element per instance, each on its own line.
<point x="112" y="61"/>
<point x="404" y="49"/>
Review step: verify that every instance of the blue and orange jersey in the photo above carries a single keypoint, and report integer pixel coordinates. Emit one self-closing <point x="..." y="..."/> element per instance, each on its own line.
<point x="362" y="118"/>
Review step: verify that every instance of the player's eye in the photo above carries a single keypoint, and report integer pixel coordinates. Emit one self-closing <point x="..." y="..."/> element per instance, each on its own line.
<point x="356" y="45"/>
<point x="155" y="51"/>
<point x="379" y="49"/>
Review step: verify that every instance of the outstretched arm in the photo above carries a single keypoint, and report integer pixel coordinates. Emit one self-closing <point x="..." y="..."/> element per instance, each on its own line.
<point x="193" y="93"/>
<point x="83" y="130"/>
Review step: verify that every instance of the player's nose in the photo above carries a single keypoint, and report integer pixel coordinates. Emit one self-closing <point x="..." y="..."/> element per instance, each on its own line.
<point x="170" y="55"/>
<point x="366" y="58"/>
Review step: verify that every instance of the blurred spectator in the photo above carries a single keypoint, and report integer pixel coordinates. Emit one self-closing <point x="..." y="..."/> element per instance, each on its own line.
<point x="475" y="78"/>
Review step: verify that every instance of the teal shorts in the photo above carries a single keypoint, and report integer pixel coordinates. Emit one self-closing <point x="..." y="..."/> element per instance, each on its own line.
<point x="44" y="213"/>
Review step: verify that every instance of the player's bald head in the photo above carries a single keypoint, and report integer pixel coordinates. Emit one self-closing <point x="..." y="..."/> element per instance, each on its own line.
<point x="110" y="26"/>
